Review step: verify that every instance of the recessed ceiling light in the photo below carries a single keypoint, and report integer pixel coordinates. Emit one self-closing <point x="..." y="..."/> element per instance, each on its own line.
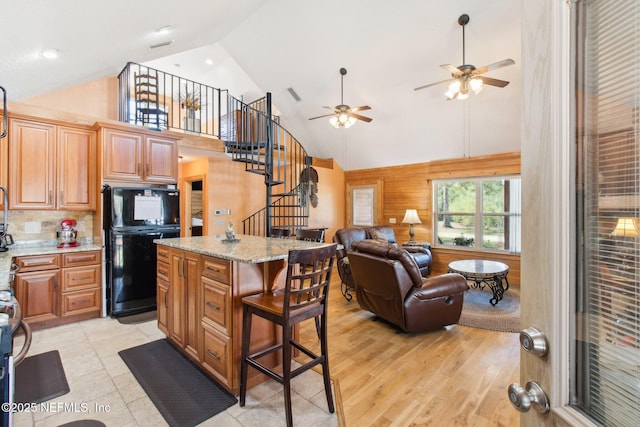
<point x="163" y="30"/>
<point x="50" y="53"/>
<point x="209" y="62"/>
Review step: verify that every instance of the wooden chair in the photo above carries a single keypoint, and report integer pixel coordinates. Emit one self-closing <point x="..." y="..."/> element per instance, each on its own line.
<point x="310" y="234"/>
<point x="304" y="296"/>
<point x="281" y="233"/>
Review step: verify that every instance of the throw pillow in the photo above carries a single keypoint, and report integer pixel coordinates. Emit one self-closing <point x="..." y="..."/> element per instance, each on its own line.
<point x="378" y="235"/>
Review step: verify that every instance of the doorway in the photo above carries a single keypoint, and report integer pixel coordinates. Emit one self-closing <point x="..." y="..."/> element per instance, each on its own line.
<point x="195" y="207"/>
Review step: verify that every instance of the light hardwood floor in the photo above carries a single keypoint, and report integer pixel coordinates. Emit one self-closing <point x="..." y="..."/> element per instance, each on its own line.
<point x="456" y="376"/>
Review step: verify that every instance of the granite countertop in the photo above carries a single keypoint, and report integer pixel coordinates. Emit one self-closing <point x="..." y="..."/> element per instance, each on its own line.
<point x="7" y="256"/>
<point x="249" y="249"/>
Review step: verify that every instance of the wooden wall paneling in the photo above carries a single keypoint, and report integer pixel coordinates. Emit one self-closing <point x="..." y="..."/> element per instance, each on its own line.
<point x="410" y="187"/>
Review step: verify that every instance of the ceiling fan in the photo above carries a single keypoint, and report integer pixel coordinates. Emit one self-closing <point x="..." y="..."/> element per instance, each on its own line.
<point x="467" y="76"/>
<point x="343" y="115"/>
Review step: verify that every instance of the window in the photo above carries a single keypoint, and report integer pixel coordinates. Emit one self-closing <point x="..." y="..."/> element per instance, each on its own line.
<point x="606" y="383"/>
<point x="481" y="214"/>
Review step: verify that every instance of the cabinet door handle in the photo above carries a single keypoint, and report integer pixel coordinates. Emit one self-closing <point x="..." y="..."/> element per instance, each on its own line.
<point x="213" y="306"/>
<point x="147" y="172"/>
<point x="82" y="278"/>
<point x="83" y="258"/>
<point x="138" y="168"/>
<point x="61" y="197"/>
<point x="81" y="302"/>
<point x="163" y="272"/>
<point x="185" y="270"/>
<point x="213" y="355"/>
<point x="166" y="304"/>
<point x="50" y="197"/>
<point x="215" y="270"/>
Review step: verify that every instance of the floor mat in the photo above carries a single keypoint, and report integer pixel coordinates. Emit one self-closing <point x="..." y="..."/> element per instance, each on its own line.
<point x="181" y="392"/>
<point x="40" y="378"/>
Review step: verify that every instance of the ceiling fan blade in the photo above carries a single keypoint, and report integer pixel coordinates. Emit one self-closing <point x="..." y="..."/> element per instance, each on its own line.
<point x="319" y="117"/>
<point x="361" y="108"/>
<point x="433" y="84"/>
<point x="359" y="117"/>
<point x="493" y="82"/>
<point x="494" y="66"/>
<point x="453" y="70"/>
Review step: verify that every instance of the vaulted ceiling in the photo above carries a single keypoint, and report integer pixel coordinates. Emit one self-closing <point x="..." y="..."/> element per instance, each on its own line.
<point x="258" y="46"/>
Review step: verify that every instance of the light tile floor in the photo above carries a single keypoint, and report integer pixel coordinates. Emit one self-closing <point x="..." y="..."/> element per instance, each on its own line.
<point x="101" y="382"/>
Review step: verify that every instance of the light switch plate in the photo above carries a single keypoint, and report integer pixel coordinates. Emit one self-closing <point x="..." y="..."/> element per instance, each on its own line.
<point x="392" y="220"/>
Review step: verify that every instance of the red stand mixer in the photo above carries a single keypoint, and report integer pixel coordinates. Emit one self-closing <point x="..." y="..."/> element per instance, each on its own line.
<point x="67" y="234"/>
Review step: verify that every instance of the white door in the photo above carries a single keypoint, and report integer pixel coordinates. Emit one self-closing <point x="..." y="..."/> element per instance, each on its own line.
<point x="549" y="255"/>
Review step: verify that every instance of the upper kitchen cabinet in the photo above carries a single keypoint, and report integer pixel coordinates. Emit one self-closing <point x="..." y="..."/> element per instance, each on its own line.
<point x="136" y="156"/>
<point x="51" y="167"/>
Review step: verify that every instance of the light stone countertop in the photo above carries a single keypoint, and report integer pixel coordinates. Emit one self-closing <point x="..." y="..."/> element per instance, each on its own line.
<point x="7" y="256"/>
<point x="249" y="249"/>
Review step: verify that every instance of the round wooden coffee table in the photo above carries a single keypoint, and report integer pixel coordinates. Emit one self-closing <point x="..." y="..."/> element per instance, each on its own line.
<point x="484" y="273"/>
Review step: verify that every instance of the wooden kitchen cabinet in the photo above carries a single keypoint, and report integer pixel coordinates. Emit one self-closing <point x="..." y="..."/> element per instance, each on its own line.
<point x="76" y="169"/>
<point x="183" y="295"/>
<point x="59" y="288"/>
<point x="36" y="287"/>
<point x="81" y="284"/>
<point x="200" y="311"/>
<point x="162" y="292"/>
<point x="51" y="167"/>
<point x="131" y="156"/>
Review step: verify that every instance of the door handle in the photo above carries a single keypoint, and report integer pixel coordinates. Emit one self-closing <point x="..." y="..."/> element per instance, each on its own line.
<point x="531" y="395"/>
<point x="534" y="341"/>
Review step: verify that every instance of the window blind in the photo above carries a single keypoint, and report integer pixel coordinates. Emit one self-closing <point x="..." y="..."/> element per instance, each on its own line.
<point x="607" y="381"/>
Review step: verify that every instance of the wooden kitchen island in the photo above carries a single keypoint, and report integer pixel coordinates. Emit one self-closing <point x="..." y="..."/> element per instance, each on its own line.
<point x="200" y="285"/>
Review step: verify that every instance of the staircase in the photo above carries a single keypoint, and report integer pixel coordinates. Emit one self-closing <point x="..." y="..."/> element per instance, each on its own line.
<point x="251" y="133"/>
<point x="253" y="136"/>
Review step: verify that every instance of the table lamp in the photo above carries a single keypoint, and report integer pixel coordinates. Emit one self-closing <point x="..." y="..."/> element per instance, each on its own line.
<point x="411" y="217"/>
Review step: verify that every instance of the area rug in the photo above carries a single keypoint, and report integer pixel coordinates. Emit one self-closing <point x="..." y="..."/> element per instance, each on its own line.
<point x="40" y="378"/>
<point x="181" y="392"/>
<point x="478" y="312"/>
<point x="138" y="318"/>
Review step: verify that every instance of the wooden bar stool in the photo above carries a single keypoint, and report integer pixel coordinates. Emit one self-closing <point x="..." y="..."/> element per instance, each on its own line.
<point x="304" y="296"/>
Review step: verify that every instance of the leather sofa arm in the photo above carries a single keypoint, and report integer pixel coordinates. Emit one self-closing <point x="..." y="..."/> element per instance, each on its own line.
<point x="439" y="286"/>
<point x="416" y="249"/>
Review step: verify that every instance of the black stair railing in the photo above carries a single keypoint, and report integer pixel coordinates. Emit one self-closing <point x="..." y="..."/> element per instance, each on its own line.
<point x="253" y="135"/>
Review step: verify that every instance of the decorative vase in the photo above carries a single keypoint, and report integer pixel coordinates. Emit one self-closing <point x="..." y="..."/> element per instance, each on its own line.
<point x="231" y="235"/>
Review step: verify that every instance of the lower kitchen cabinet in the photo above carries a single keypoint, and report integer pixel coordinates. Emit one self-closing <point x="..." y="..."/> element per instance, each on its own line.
<point x="202" y="316"/>
<point x="59" y="288"/>
<point x="183" y="296"/>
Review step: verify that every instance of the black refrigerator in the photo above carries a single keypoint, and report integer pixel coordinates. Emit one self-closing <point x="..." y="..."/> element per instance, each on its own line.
<point x="133" y="219"/>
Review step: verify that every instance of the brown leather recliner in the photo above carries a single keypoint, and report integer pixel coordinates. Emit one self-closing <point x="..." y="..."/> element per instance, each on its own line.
<point x="421" y="254"/>
<point x="346" y="237"/>
<point x="389" y="284"/>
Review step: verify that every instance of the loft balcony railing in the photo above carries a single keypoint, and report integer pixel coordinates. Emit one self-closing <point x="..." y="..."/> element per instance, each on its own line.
<point x="160" y="100"/>
<point x="251" y="133"/>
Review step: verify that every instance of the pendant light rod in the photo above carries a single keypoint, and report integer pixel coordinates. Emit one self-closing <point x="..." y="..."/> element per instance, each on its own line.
<point x="343" y="71"/>
<point x="463" y="20"/>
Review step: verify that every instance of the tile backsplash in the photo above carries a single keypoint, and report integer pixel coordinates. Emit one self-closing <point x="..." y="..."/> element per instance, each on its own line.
<point x="23" y="223"/>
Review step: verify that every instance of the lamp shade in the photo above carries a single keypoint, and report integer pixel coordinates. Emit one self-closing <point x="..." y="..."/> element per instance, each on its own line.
<point x="626" y="227"/>
<point x="411" y="217"/>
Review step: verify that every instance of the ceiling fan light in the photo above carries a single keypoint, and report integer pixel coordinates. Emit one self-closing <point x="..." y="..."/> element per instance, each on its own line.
<point x="343" y="118"/>
<point x="334" y="122"/>
<point x="455" y="86"/>
<point x="462" y="96"/>
<point x="350" y="122"/>
<point x="476" y="85"/>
